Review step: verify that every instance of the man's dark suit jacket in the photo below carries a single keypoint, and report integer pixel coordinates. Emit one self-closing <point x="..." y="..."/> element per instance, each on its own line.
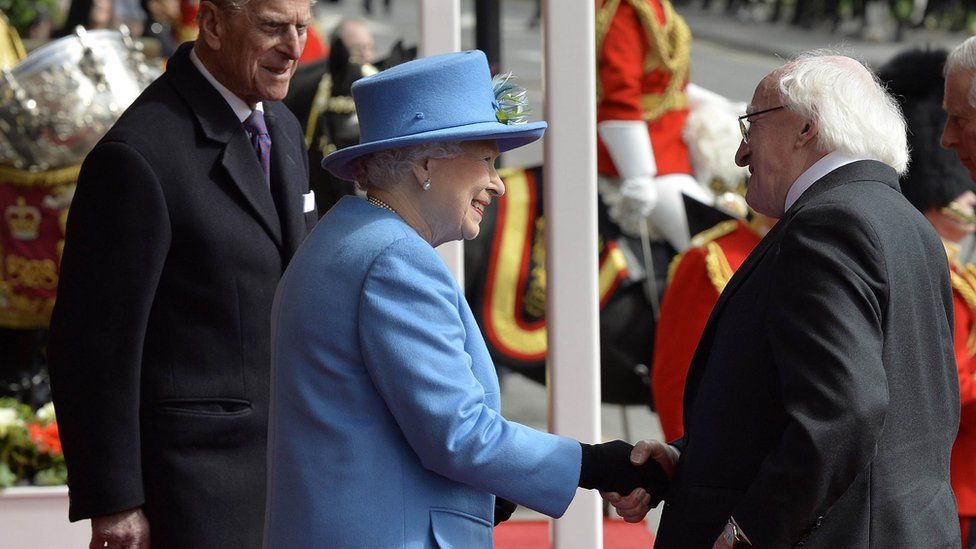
<point x="160" y="338"/>
<point x="822" y="401"/>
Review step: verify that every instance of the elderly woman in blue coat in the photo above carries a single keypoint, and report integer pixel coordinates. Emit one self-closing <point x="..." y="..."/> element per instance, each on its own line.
<point x="385" y="425"/>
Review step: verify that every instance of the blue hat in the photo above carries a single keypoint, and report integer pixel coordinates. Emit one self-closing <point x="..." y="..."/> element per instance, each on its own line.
<point x="440" y="98"/>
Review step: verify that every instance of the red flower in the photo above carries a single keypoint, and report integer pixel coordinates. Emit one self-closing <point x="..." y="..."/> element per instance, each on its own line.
<point x="45" y="437"/>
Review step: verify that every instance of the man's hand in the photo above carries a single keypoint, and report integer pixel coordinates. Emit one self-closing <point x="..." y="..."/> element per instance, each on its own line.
<point x="125" y="530"/>
<point x="634" y="506"/>
<point x="631" y="508"/>
<point x="608" y="467"/>
<point x="665" y="454"/>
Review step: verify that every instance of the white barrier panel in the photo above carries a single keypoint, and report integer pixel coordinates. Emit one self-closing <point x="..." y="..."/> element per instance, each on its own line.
<point x="37" y="517"/>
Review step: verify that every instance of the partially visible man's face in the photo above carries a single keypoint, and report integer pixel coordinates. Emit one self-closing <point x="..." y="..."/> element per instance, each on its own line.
<point x="359" y="41"/>
<point x="260" y="46"/>
<point x="959" y="133"/>
<point x="769" y="155"/>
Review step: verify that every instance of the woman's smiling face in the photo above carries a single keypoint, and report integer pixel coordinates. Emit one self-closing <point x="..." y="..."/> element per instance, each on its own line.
<point x="461" y="189"/>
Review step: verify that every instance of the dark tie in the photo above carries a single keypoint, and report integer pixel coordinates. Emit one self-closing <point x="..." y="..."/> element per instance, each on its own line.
<point x="261" y="141"/>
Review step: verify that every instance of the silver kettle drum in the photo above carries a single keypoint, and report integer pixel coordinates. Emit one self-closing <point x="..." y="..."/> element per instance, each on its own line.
<point x="62" y="98"/>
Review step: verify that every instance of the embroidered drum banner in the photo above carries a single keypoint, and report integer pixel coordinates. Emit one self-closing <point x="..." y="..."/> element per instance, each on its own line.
<point x="33" y="208"/>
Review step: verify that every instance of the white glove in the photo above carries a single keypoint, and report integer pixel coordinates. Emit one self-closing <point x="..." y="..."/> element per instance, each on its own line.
<point x="637" y="199"/>
<point x="630" y="149"/>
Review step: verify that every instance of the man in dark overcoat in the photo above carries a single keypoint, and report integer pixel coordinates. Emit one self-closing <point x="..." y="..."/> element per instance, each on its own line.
<point x="822" y="401"/>
<point x="186" y="214"/>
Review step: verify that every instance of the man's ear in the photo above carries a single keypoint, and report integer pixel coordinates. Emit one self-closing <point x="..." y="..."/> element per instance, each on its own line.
<point x="211" y="23"/>
<point x="808" y="133"/>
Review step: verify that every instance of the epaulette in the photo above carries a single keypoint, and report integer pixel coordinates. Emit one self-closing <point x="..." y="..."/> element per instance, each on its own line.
<point x="718" y="231"/>
<point x="717" y="265"/>
<point x="719" y="269"/>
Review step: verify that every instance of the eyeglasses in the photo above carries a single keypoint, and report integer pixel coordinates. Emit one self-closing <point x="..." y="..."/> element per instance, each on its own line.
<point x="744" y="121"/>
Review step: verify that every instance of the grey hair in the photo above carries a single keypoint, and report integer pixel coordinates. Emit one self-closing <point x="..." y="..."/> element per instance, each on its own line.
<point x="232" y="5"/>
<point x="236" y="5"/>
<point x="855" y="115"/>
<point x="963" y="58"/>
<point x="384" y="169"/>
<point x="341" y="25"/>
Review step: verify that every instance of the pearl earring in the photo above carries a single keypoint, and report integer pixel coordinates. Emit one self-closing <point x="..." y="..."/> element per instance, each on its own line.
<point x="426" y="185"/>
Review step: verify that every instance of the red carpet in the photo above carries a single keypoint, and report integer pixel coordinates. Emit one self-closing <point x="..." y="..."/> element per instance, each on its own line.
<point x="617" y="534"/>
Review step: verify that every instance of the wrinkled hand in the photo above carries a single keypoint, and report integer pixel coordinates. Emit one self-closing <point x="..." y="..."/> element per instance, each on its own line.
<point x="503" y="510"/>
<point x="638" y="197"/>
<point x="634" y="506"/>
<point x="125" y="530"/>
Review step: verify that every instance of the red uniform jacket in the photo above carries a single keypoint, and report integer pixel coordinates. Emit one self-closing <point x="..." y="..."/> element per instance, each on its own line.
<point x="963" y="463"/>
<point x="643" y="54"/>
<point x="697" y="278"/>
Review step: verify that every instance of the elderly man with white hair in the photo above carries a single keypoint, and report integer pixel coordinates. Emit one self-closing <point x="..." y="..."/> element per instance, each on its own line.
<point x="822" y="401"/>
<point x="960" y="104"/>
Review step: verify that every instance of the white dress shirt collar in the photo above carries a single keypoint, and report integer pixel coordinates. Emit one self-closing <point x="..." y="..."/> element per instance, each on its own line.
<point x="820" y="168"/>
<point x="241" y="109"/>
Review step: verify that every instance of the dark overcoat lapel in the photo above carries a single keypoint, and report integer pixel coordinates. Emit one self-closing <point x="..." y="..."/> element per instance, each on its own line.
<point x="848" y="174"/>
<point x="219" y="124"/>
<point x="288" y="175"/>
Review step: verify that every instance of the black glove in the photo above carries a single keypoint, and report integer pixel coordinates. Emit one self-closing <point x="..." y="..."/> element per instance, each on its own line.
<point x="503" y="510"/>
<point x="607" y="467"/>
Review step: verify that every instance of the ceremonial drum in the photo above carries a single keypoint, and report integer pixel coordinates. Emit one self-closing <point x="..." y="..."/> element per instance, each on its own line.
<point x="59" y="101"/>
<point x="55" y="105"/>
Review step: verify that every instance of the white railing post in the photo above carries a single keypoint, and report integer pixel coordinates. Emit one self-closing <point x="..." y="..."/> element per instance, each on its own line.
<point x="572" y="310"/>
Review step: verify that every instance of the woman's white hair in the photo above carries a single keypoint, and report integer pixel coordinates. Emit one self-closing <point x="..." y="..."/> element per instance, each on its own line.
<point x="854" y="113"/>
<point x="963" y="58"/>
<point x="383" y="169"/>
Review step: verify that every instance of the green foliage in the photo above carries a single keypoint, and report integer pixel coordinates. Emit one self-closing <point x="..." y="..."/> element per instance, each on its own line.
<point x="23" y="13"/>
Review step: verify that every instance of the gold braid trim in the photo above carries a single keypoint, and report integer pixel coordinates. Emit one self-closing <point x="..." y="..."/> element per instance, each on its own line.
<point x="671" y="54"/>
<point x="964" y="283"/>
<point x="965" y="286"/>
<point x="604" y="15"/>
<point x="50" y="178"/>
<point x="319" y="103"/>
<point x="718" y="231"/>
<point x="719" y="270"/>
<point x="341" y="104"/>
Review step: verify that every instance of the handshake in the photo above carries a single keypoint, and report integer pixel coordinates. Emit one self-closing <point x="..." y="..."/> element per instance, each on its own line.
<point x="619" y="469"/>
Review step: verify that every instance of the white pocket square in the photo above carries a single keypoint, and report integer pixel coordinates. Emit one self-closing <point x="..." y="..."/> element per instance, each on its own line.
<point x="309" y="201"/>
